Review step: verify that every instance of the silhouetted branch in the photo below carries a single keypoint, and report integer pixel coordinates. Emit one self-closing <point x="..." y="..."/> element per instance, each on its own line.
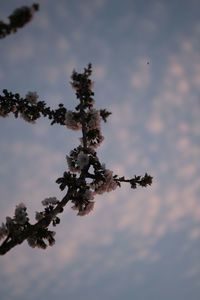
<point x="18" y="19"/>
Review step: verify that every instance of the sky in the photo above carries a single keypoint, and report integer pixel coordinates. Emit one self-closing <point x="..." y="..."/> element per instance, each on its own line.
<point x="138" y="244"/>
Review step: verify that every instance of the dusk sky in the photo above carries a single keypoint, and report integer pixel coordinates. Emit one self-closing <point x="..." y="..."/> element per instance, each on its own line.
<point x="141" y="244"/>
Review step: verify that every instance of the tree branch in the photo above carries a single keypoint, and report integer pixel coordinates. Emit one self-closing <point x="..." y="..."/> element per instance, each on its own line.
<point x="31" y="230"/>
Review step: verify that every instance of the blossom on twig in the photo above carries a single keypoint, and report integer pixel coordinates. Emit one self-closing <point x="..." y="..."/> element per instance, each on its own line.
<point x="21" y="214"/>
<point x="88" y="208"/>
<point x="82" y="160"/>
<point x="71" y="122"/>
<point x="50" y="201"/>
<point x="32" y="97"/>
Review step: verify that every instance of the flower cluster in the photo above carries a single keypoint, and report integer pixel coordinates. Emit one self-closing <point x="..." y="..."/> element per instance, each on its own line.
<point x="50" y="201"/>
<point x="39" y="240"/>
<point x="72" y="120"/>
<point x="82" y="160"/>
<point x="106" y="184"/>
<point x="82" y="201"/>
<point x="49" y="204"/>
<point x="15" y="224"/>
<point x="94" y="120"/>
<point x="93" y="129"/>
<point x="21" y="216"/>
<point x="27" y="118"/>
<point x="32" y="97"/>
<point x="72" y="160"/>
<point x="86" y="210"/>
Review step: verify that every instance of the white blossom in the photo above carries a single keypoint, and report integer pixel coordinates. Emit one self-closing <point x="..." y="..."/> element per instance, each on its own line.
<point x="88" y="195"/>
<point x="92" y="151"/>
<point x="71" y="167"/>
<point x="70" y="121"/>
<point x="27" y="119"/>
<point x="82" y="160"/>
<point x="21" y="214"/>
<point x="100" y="140"/>
<point x="94" y="122"/>
<point x="105" y="186"/>
<point x="96" y="144"/>
<point x="89" y="207"/>
<point x="86" y="206"/>
<point x="50" y="200"/>
<point x="32" y="97"/>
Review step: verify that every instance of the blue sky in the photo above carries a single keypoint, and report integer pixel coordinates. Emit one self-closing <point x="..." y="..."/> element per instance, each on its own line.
<point x="141" y="244"/>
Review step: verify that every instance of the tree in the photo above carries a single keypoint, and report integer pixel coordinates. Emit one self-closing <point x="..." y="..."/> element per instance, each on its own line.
<point x="86" y="175"/>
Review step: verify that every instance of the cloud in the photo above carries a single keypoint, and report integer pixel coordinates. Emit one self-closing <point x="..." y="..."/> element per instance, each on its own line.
<point x="187" y="171"/>
<point x="89" y="8"/>
<point x="194" y="234"/>
<point x="140" y="79"/>
<point x="23" y="50"/>
<point x="42" y="20"/>
<point x="150" y="26"/>
<point x="99" y="72"/>
<point x="187" y="46"/>
<point x="42" y="130"/>
<point x="176" y="69"/>
<point x="155" y="125"/>
<point x="193" y="272"/>
<point x="52" y="74"/>
<point x="62" y="10"/>
<point x="125" y="110"/>
<point x="63" y="44"/>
